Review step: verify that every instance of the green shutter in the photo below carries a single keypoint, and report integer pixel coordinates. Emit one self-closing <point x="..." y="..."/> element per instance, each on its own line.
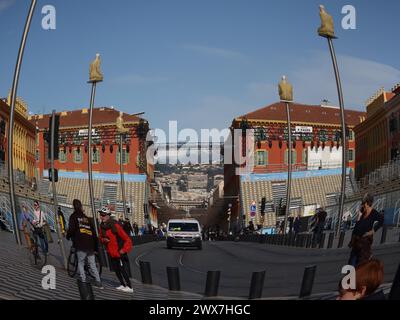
<point x="294" y="157"/>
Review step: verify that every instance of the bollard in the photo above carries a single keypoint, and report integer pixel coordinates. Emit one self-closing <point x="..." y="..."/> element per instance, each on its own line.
<point x="308" y="281"/>
<point x="293" y="240"/>
<point x="384" y="233"/>
<point x="286" y="240"/>
<point x="322" y="241"/>
<point x="85" y="290"/>
<point x="308" y="242"/>
<point x="257" y="285"/>
<point x="290" y="239"/>
<point x="330" y="240"/>
<point x="145" y="271"/>
<point x="301" y="240"/>
<point x="341" y="239"/>
<point x="298" y="240"/>
<point x="212" y="283"/>
<point x="395" y="290"/>
<point x="174" y="283"/>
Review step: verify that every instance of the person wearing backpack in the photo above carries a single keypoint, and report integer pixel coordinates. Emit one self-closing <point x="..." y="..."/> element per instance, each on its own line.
<point x="118" y="244"/>
<point x="83" y="235"/>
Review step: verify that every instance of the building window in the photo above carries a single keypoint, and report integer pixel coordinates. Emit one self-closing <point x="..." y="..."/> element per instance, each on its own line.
<point x="37" y="157"/>
<point x="351" y="135"/>
<point x="261" y="158"/>
<point x="62" y="156"/>
<point x="125" y="157"/>
<point x="77" y="156"/>
<point x="350" y="155"/>
<point x="95" y="156"/>
<point x="294" y="154"/>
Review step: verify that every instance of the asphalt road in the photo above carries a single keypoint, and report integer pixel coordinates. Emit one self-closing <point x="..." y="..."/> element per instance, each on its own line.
<point x="237" y="261"/>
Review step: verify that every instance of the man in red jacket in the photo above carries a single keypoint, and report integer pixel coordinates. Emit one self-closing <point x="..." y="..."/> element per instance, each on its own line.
<point x="118" y="245"/>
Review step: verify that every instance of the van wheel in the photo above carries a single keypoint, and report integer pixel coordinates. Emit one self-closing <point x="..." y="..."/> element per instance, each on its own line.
<point x="169" y="246"/>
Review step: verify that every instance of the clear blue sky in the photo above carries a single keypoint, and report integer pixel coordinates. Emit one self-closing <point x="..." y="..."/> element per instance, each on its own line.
<point x="200" y="62"/>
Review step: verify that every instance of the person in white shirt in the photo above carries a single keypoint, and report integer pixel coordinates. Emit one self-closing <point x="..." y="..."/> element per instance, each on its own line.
<point x="39" y="232"/>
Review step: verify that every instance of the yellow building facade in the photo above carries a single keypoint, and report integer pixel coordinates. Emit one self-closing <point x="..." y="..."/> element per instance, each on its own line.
<point x="23" y="138"/>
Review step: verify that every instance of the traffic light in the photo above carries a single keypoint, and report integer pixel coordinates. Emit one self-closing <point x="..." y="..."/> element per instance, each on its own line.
<point x="55" y="175"/>
<point x="47" y="137"/>
<point x="263" y="201"/>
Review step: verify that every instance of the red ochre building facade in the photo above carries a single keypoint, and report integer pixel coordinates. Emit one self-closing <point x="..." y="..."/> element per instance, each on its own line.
<point x="73" y="144"/>
<point x="314" y="127"/>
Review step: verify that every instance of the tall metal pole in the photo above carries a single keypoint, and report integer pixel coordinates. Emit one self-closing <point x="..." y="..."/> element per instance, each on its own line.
<point x="11" y="120"/>
<point x="90" y="160"/>
<point x="289" y="179"/>
<point x="286" y="96"/>
<point x="53" y="184"/>
<point x="343" y="125"/>
<point x="102" y="256"/>
<point x="121" y="166"/>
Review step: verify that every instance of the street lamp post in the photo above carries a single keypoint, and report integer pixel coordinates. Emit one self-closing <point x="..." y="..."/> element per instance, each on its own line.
<point x="121" y="166"/>
<point x="95" y="76"/>
<point x="13" y="98"/>
<point x="286" y="96"/>
<point x="327" y="31"/>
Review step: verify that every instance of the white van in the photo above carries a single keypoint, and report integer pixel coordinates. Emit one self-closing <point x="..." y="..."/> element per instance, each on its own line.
<point x="184" y="233"/>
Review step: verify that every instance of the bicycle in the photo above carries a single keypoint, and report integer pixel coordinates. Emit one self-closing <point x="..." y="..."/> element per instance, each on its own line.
<point x="72" y="266"/>
<point x="37" y="257"/>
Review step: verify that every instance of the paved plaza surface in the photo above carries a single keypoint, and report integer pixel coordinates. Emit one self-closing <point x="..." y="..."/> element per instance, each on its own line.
<point x="20" y="281"/>
<point x="236" y="260"/>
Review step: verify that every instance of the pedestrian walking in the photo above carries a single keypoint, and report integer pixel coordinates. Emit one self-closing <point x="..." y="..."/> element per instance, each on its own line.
<point x="369" y="221"/>
<point x="26" y="225"/>
<point x="135" y="229"/>
<point x="297" y="225"/>
<point x="82" y="233"/>
<point x="118" y="245"/>
<point x="319" y="226"/>
<point x="291" y="221"/>
<point x="128" y="227"/>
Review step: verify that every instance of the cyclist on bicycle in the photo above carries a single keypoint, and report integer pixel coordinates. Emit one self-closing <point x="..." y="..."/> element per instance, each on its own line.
<point x="82" y="233"/>
<point x="38" y="223"/>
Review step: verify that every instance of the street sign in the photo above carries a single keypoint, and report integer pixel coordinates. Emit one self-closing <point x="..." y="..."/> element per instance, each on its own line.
<point x="253" y="209"/>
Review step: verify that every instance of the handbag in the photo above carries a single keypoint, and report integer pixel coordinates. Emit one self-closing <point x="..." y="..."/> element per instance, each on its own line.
<point x="38" y="231"/>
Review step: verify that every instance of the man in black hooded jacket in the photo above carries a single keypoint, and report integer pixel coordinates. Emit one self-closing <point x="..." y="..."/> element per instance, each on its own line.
<point x="83" y="235"/>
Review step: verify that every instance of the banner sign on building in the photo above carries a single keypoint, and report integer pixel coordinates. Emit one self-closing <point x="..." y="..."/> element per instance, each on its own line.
<point x="300" y="129"/>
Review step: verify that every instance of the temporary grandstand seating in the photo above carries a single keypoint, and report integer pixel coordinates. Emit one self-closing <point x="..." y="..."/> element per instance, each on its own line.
<point x="312" y="190"/>
<point x="104" y="192"/>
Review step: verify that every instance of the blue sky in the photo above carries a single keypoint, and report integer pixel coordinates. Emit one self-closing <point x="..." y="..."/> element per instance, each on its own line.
<point x="198" y="62"/>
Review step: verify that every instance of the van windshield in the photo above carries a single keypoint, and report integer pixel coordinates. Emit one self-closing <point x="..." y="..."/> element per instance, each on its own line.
<point x="183" y="227"/>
